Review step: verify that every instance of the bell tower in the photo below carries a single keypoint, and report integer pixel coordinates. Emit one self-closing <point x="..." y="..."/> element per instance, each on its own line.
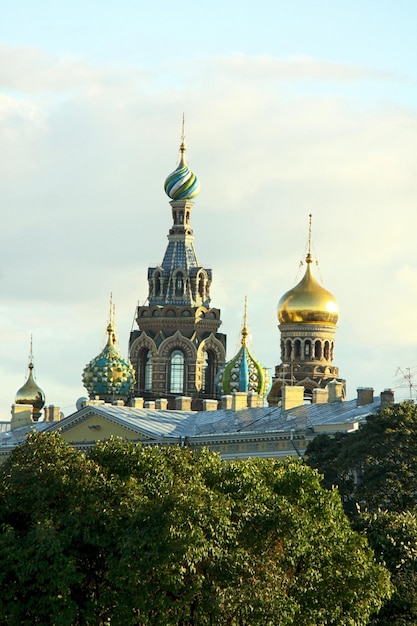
<point x="177" y="349"/>
<point x="307" y="316"/>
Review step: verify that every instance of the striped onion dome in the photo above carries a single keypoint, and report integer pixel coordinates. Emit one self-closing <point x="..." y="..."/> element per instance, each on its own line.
<point x="244" y="372"/>
<point x="182" y="184"/>
<point x="109" y="376"/>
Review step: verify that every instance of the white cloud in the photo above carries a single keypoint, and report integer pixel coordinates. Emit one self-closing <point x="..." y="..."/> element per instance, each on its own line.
<point x="83" y="210"/>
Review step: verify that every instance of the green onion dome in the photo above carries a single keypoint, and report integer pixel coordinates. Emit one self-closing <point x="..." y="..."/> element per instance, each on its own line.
<point x="244" y="372"/>
<point x="31" y="394"/>
<point x="109" y="376"/>
<point x="182" y="184"/>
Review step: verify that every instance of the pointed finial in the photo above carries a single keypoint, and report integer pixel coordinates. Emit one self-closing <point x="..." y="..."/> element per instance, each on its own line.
<point x="245" y="330"/>
<point x="111" y="309"/>
<point x="183" y="147"/>
<point x="309" y="258"/>
<point x="31" y="353"/>
<point x="110" y="326"/>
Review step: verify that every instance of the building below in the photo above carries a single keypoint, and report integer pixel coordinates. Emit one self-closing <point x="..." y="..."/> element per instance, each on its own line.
<point x="239" y="428"/>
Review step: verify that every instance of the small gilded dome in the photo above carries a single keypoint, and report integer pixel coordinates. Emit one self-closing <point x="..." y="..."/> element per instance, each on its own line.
<point x="182" y="184"/>
<point x="308" y="302"/>
<point x="31" y="394"/>
<point x="244" y="372"/>
<point x="109" y="376"/>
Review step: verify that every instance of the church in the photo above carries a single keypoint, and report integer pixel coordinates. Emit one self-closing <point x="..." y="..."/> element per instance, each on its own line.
<point x="177" y="387"/>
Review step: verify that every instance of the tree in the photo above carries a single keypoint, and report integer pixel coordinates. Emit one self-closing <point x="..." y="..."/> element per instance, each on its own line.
<point x="375" y="470"/>
<point x="130" y="535"/>
<point x="393" y="536"/>
<point x="376" y="466"/>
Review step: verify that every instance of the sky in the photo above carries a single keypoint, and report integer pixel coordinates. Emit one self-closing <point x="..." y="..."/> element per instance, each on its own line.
<point x="290" y="108"/>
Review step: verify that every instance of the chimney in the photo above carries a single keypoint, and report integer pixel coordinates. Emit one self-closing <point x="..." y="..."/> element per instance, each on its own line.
<point x="183" y="403"/>
<point x="52" y="413"/>
<point x="335" y="391"/>
<point x="365" y="396"/>
<point x="210" y="405"/>
<point x="387" y="398"/>
<point x="239" y="400"/>
<point x="136" y="403"/>
<point x="253" y="400"/>
<point x="161" y="404"/>
<point x="320" y="396"/>
<point x="149" y="404"/>
<point x="226" y="402"/>
<point x="21" y="416"/>
<point x="291" y="397"/>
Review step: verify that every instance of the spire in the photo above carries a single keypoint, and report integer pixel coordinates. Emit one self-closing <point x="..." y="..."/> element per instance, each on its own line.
<point x="111" y="326"/>
<point x="31" y="393"/>
<point x="309" y="257"/>
<point x="245" y="329"/>
<point x="183" y="147"/>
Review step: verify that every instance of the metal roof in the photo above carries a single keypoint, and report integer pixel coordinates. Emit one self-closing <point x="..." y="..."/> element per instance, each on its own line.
<point x="171" y="424"/>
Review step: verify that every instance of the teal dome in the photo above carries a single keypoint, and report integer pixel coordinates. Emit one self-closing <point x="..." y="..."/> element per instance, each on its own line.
<point x="182" y="184"/>
<point x="109" y="376"/>
<point x="244" y="372"/>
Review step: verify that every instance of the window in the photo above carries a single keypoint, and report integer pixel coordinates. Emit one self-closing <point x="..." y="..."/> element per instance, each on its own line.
<point x="176" y="374"/>
<point x="208" y="372"/>
<point x="201" y="286"/>
<point x="297" y="348"/>
<point x="157" y="284"/>
<point x="145" y="370"/>
<point x="317" y="349"/>
<point x="179" y="284"/>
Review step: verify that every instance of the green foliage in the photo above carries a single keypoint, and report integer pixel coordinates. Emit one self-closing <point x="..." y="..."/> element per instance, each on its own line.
<point x="393" y="536"/>
<point x="150" y="536"/>
<point x="374" y="467"/>
<point x="375" y="470"/>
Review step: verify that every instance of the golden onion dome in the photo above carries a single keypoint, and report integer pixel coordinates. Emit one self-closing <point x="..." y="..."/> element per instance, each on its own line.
<point x="31" y="394"/>
<point x="308" y="302"/>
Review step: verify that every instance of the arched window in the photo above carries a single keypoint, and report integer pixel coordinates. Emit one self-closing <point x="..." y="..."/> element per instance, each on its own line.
<point x="297" y="348"/>
<point x="176" y="374"/>
<point x="201" y="286"/>
<point x="317" y="349"/>
<point x="157" y="284"/>
<point x="289" y="348"/>
<point x="326" y="350"/>
<point x="179" y="284"/>
<point x="208" y="378"/>
<point x="145" y="370"/>
<point x="307" y="348"/>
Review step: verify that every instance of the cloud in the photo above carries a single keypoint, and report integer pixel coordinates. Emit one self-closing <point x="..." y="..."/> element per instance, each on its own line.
<point x="33" y="71"/>
<point x="299" y="67"/>
<point x="86" y="151"/>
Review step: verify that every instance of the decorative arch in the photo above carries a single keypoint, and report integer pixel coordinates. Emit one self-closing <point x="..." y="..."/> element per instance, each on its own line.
<point x="142" y="354"/>
<point x="178" y="341"/>
<point x="144" y="341"/>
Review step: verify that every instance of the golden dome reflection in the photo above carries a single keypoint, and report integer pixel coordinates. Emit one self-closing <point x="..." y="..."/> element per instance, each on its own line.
<point x="308" y="302"/>
<point x="31" y="393"/>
